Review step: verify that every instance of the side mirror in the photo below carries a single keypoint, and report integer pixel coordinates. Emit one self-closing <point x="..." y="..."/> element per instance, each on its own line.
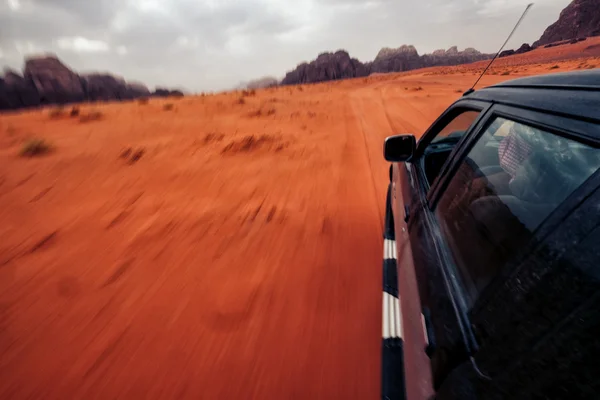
<point x="399" y="148"/>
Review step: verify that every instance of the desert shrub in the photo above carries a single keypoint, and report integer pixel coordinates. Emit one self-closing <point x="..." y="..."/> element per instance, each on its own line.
<point x="554" y="67"/>
<point x="137" y="155"/>
<point x="241" y="101"/>
<point x="505" y="73"/>
<point x="143" y="101"/>
<point x="126" y="153"/>
<point x="35" y="147"/>
<point x="247" y="93"/>
<point x="168" y="107"/>
<point x="57" y="112"/>
<point x="256" y="113"/>
<point x="458" y="91"/>
<point x="74" y="112"/>
<point x="93" y="115"/>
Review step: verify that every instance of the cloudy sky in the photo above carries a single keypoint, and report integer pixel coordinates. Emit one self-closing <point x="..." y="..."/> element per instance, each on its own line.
<point x="215" y="44"/>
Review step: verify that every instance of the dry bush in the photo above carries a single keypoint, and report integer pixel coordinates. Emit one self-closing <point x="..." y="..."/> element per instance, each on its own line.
<point x="271" y="111"/>
<point x="35" y="147"/>
<point x="458" y="90"/>
<point x="554" y="67"/>
<point x="213" y="137"/>
<point x="241" y="101"/>
<point x="168" y="107"/>
<point x="143" y="101"/>
<point x="256" y="113"/>
<point x="74" y="112"/>
<point x="505" y="73"/>
<point x="125" y="153"/>
<point x="249" y="143"/>
<point x="247" y="93"/>
<point x="92" y="115"/>
<point x="137" y="155"/>
<point x="57" y="112"/>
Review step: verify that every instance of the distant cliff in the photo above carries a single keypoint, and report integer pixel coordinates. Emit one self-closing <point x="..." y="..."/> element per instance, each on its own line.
<point x="579" y="19"/>
<point x="339" y="65"/>
<point x="265" y="82"/>
<point x="46" y="80"/>
<point x="327" y="67"/>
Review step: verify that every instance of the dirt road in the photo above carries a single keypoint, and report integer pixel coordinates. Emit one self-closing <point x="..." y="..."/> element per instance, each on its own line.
<point x="238" y="257"/>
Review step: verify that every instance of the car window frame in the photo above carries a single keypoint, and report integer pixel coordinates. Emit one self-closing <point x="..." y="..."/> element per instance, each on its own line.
<point x="440" y="123"/>
<point x="563" y="126"/>
<point x="448" y="269"/>
<point x="446" y="117"/>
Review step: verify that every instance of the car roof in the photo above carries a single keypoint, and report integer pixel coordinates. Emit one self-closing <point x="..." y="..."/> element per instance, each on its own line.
<point x="572" y="94"/>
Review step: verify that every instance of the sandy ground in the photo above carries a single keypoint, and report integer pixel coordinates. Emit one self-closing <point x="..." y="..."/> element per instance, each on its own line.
<point x="239" y="257"/>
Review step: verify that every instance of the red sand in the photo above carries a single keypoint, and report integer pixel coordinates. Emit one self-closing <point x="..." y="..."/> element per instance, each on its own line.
<point x="239" y="257"/>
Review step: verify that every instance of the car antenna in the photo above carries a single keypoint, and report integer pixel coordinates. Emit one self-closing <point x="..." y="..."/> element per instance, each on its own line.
<point x="501" y="48"/>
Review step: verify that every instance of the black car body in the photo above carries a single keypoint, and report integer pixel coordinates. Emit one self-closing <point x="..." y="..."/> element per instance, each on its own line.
<point x="497" y="211"/>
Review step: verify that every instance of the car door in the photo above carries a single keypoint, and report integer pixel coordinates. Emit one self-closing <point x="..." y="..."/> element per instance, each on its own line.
<point x="520" y="238"/>
<point x="418" y="254"/>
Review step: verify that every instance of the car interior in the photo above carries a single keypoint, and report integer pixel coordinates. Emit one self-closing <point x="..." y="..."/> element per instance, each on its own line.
<point x="506" y="187"/>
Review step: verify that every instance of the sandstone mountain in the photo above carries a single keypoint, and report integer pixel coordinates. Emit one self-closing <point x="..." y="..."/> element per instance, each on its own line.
<point x="46" y="80"/>
<point x="265" y="82"/>
<point x="327" y="67"/>
<point x="579" y="19"/>
<point x="339" y="65"/>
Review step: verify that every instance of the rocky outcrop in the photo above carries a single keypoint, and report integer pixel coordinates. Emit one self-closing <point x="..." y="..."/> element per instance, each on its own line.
<point x="327" y="67"/>
<point x="46" y="80"/>
<point x="452" y="57"/>
<point x="579" y="19"/>
<point x="403" y="58"/>
<point x="339" y="65"/>
<point x="17" y="91"/>
<point x="266" y="82"/>
<point x="525" y="47"/>
<point x="53" y="80"/>
<point x="162" y="92"/>
<point x="106" y="87"/>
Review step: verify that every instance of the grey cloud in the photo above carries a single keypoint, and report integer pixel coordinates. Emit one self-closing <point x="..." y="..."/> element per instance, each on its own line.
<point x="92" y="12"/>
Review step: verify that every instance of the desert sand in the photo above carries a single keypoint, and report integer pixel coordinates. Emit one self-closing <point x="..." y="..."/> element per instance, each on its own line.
<point x="236" y="256"/>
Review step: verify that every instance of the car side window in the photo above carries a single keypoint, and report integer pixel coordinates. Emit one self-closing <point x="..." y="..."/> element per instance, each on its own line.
<point x="438" y="150"/>
<point x="510" y="181"/>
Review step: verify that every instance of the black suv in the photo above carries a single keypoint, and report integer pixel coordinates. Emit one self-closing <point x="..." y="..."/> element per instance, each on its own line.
<point x="496" y="214"/>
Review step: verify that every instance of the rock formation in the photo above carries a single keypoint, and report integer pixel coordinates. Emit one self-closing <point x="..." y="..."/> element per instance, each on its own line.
<point x="579" y="19"/>
<point x="403" y="58"/>
<point x="46" y="80"/>
<point x="525" y="47"/>
<point x="339" y="65"/>
<point x="162" y="92"/>
<point x="266" y="82"/>
<point x="327" y="67"/>
<point x="54" y="81"/>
